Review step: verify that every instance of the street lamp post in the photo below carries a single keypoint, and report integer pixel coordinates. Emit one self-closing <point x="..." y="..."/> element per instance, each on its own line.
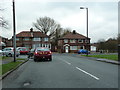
<point x="14" y="31"/>
<point x="86" y="27"/>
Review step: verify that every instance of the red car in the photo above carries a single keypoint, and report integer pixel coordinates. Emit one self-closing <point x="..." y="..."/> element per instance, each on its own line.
<point x="23" y="50"/>
<point x="42" y="53"/>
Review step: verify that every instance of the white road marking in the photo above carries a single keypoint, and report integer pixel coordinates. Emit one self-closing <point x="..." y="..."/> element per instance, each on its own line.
<point x="67" y="62"/>
<point x="87" y="73"/>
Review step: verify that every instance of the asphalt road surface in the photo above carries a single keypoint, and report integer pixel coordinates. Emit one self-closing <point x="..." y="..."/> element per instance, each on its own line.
<point x="65" y="71"/>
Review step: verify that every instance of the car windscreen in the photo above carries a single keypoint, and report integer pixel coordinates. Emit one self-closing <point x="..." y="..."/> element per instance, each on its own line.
<point x="7" y="49"/>
<point x="42" y="49"/>
<point x="23" y="49"/>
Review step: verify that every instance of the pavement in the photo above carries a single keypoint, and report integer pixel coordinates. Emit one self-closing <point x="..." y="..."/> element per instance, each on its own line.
<point x="10" y="59"/>
<point x="103" y="60"/>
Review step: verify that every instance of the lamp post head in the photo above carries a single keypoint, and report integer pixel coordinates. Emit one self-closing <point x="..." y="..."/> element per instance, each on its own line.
<point x="82" y="8"/>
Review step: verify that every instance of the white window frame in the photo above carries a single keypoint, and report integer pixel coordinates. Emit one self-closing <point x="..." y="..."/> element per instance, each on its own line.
<point x="65" y="40"/>
<point x="73" y="47"/>
<point x="79" y="40"/>
<point x="17" y="39"/>
<point x="26" y="39"/>
<point x="46" y="39"/>
<point x="36" y="39"/>
<point x="72" y="41"/>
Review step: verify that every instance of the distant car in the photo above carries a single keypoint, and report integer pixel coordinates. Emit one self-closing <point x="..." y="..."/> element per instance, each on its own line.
<point x="23" y="50"/>
<point x="31" y="53"/>
<point x="9" y="51"/>
<point x="83" y="51"/>
<point x="42" y="53"/>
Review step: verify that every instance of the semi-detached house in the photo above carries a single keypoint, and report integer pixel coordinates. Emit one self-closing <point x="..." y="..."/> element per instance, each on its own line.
<point x="72" y="42"/>
<point x="32" y="39"/>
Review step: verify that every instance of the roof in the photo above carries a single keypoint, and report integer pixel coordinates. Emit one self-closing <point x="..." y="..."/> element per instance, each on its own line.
<point x="31" y="34"/>
<point x="74" y="36"/>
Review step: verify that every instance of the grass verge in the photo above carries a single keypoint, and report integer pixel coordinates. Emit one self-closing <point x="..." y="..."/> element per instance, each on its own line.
<point x="7" y="67"/>
<point x="20" y="59"/>
<point x="3" y="57"/>
<point x="110" y="57"/>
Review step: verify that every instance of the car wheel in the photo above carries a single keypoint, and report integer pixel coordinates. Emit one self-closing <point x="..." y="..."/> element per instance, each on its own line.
<point x="35" y="60"/>
<point x="10" y="54"/>
<point x="50" y="59"/>
<point x="17" y="55"/>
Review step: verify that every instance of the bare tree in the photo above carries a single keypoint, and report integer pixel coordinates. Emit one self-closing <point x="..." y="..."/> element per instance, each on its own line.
<point x="46" y="25"/>
<point x="3" y="22"/>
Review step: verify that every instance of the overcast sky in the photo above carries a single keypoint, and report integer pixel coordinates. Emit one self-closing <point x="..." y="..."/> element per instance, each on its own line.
<point x="103" y="16"/>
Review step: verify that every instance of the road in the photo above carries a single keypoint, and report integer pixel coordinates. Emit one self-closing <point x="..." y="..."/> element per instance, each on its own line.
<point x="65" y="71"/>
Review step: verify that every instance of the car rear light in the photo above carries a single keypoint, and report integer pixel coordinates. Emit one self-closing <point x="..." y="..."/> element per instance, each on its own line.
<point x="49" y="52"/>
<point x="36" y="53"/>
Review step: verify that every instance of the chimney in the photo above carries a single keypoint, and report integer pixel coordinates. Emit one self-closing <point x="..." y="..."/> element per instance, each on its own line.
<point x="74" y="32"/>
<point x="31" y="29"/>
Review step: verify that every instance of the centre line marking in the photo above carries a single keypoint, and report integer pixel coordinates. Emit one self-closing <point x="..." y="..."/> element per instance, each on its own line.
<point x="87" y="73"/>
<point x="67" y="62"/>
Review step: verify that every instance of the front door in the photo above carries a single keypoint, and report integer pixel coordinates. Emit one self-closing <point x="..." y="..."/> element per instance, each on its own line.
<point x="66" y="49"/>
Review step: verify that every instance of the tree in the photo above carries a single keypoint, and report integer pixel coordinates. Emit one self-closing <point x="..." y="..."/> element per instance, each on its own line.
<point x="66" y="31"/>
<point x="3" y="23"/>
<point x="46" y="25"/>
<point x="109" y="45"/>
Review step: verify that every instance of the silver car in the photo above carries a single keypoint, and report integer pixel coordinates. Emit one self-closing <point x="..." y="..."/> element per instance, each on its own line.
<point x="10" y="52"/>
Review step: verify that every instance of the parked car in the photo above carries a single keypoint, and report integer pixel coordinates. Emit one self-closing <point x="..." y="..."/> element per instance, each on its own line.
<point x="1" y="52"/>
<point x="23" y="50"/>
<point x="83" y="51"/>
<point x="31" y="53"/>
<point x="42" y="53"/>
<point x="9" y="51"/>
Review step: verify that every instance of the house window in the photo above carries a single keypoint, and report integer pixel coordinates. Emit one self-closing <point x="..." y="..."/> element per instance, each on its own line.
<point x="36" y="45"/>
<point x="26" y="39"/>
<point x="73" y="47"/>
<point x="86" y="41"/>
<point x="80" y="41"/>
<point x="50" y="46"/>
<point x="17" y="39"/>
<point x="81" y="47"/>
<point x="72" y="41"/>
<point x="45" y="39"/>
<point x="65" y="40"/>
<point x="36" y="39"/>
<point x="27" y="46"/>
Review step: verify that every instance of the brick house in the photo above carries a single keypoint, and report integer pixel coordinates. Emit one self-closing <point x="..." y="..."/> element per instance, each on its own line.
<point x="3" y="42"/>
<point x="32" y="39"/>
<point x="71" y="42"/>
